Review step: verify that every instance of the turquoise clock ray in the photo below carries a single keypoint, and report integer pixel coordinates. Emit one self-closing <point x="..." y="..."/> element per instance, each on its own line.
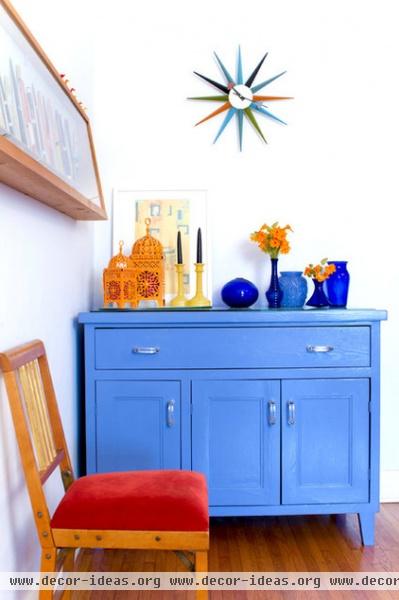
<point x="226" y="120"/>
<point x="240" y="118"/>
<point x="239" y="67"/>
<point x="229" y="78"/>
<point x="262" y="110"/>
<point x="258" y="87"/>
<point x="234" y="92"/>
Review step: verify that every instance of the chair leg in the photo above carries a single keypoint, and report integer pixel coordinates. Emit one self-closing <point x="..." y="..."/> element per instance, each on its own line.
<point x="68" y="567"/>
<point x="201" y="566"/>
<point x="48" y="565"/>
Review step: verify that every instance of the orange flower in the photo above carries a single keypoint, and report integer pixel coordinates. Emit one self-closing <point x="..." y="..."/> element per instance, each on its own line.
<point x="320" y="272"/>
<point x="272" y="239"/>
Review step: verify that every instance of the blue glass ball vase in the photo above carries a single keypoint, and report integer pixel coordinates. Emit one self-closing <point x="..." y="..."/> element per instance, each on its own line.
<point x="239" y="293"/>
<point x="294" y="287"/>
<point x="338" y="284"/>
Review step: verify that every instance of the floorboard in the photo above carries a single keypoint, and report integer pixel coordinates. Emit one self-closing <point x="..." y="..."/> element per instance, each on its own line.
<point x="302" y="543"/>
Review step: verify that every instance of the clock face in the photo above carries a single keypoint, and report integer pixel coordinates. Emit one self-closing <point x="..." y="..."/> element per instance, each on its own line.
<point x="240" y="98"/>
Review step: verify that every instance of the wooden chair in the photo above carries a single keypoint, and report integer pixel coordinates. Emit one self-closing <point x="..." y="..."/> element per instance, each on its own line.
<point x="163" y="510"/>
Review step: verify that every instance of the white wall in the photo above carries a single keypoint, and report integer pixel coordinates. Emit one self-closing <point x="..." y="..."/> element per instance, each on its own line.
<point x="332" y="173"/>
<point x="46" y="279"/>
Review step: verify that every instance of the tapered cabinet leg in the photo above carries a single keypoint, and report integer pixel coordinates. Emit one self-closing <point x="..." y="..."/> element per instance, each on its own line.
<point x="201" y="566"/>
<point x="47" y="565"/>
<point x="367" y="527"/>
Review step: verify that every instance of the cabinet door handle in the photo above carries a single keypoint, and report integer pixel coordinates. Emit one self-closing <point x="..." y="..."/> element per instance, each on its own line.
<point x="271" y="412"/>
<point x="319" y="348"/>
<point x="291" y="413"/>
<point x="146" y="350"/>
<point x="170" y="413"/>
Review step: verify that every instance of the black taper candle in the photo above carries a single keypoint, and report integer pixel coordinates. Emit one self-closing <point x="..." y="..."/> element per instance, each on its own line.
<point x="179" y="249"/>
<point x="199" y="246"/>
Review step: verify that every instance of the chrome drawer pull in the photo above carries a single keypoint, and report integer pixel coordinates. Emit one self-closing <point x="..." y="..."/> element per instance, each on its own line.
<point x="319" y="348"/>
<point x="272" y="411"/>
<point x="291" y="413"/>
<point x="170" y="413"/>
<point x="146" y="350"/>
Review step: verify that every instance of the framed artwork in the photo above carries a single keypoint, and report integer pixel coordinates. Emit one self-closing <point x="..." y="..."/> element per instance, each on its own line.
<point x="170" y="212"/>
<point x="46" y="145"/>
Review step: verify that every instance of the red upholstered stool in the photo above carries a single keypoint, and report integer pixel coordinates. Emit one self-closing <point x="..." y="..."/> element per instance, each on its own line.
<point x="136" y="500"/>
<point x="165" y="510"/>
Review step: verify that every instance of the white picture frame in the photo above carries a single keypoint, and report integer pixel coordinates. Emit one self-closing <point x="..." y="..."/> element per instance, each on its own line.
<point x="154" y="202"/>
<point x="46" y="144"/>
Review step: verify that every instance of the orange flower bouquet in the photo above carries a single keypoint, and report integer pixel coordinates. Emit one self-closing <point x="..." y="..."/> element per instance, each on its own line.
<point x="272" y="239"/>
<point x="319" y="273"/>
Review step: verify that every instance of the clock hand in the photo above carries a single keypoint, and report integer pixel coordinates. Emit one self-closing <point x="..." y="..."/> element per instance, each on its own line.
<point x="241" y="97"/>
<point x="245" y="98"/>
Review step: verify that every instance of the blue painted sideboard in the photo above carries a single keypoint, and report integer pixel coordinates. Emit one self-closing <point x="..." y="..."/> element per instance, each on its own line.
<point x="280" y="409"/>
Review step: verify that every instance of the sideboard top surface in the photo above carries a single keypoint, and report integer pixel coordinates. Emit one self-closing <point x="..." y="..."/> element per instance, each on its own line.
<point x="222" y="316"/>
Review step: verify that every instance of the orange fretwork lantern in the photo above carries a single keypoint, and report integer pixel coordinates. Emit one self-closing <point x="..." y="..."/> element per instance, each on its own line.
<point x="147" y="260"/>
<point x="119" y="280"/>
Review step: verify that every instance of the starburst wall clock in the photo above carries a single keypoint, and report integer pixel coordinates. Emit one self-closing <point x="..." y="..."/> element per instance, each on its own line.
<point x="240" y="98"/>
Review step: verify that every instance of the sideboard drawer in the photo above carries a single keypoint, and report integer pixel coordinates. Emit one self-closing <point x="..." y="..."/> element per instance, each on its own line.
<point x="232" y="347"/>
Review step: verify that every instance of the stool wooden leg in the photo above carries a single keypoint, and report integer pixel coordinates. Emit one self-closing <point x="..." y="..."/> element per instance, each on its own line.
<point x="201" y="566"/>
<point x="69" y="564"/>
<point x="47" y="565"/>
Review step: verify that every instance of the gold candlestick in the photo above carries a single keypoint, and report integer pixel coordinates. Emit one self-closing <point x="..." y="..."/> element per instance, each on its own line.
<point x="179" y="299"/>
<point x="199" y="298"/>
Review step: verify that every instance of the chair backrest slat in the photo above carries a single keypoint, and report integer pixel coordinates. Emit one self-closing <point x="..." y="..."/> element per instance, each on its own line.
<point x="37" y="411"/>
<point x="29" y="398"/>
<point x="45" y="473"/>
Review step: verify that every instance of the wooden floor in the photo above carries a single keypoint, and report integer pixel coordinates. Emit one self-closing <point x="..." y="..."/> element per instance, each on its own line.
<point x="314" y="543"/>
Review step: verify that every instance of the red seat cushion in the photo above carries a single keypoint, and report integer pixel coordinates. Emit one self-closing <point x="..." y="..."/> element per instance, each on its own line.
<point x="136" y="500"/>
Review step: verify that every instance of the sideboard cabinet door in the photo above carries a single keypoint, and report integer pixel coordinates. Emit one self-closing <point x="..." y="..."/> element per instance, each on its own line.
<point x="325" y="441"/>
<point x="236" y="440"/>
<point x="137" y="425"/>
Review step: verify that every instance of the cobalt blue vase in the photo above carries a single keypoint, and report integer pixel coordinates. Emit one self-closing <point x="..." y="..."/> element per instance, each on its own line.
<point x="274" y="294"/>
<point x="338" y="284"/>
<point x="294" y="287"/>
<point x="239" y="293"/>
<point x="318" y="299"/>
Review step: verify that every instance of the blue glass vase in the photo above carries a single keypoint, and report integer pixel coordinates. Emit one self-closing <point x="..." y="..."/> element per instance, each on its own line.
<point x="294" y="287"/>
<point x="239" y="293"/>
<point x="338" y="284"/>
<point x="274" y="294"/>
<point x="318" y="299"/>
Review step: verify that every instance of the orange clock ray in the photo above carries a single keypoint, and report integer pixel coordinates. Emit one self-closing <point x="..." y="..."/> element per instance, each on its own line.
<point x="216" y="112"/>
<point x="270" y="98"/>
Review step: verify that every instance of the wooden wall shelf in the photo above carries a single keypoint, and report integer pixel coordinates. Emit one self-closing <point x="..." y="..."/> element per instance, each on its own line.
<point x="23" y="173"/>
